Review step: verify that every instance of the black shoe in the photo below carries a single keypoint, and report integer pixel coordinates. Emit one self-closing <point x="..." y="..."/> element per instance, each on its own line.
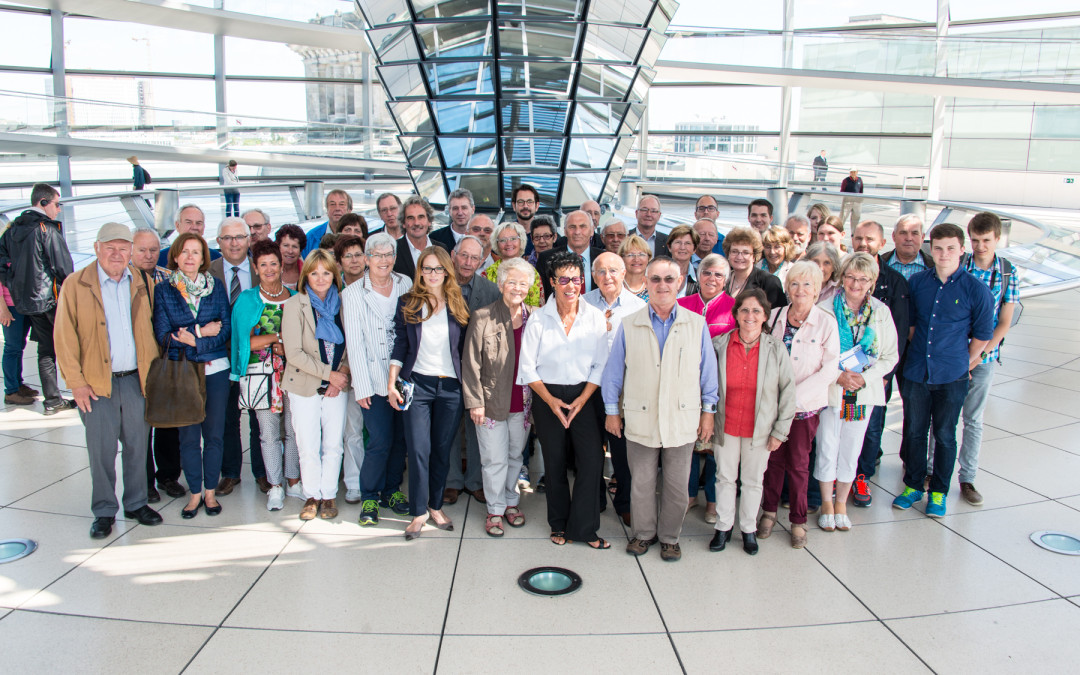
<point x="53" y="408"/>
<point x="541" y="485"/>
<point x="212" y="510"/>
<point x="749" y="542"/>
<point x="102" y="527"/>
<point x="719" y="541"/>
<point x="188" y="515"/>
<point x="145" y="515"/>
<point x="152" y="496"/>
<point x="172" y="488"/>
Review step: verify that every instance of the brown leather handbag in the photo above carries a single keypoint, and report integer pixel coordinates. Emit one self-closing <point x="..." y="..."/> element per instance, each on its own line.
<point x="175" y="391"/>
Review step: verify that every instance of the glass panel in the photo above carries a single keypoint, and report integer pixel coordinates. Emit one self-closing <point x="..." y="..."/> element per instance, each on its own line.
<point x="590" y="153"/>
<point x="904" y="152"/>
<point x="633" y="116"/>
<point x="532" y="152"/>
<point x="436" y="9"/>
<point x="379" y="12"/>
<point x="475" y="117"/>
<point x="288" y="100"/>
<point x="633" y="12"/>
<point x="546" y="185"/>
<point x="326" y="12"/>
<point x="430" y="185"/>
<point x="116" y="45"/>
<point x="641" y="85"/>
<point x="403" y="81"/>
<point x="534" y="117"/>
<point x="468" y="153"/>
<point x="27" y="40"/>
<point x="581" y="187"/>
<point x="178" y="94"/>
<point x="612" y="44"/>
<point x="653" y="46"/>
<point x="660" y="20"/>
<point x="276" y="59"/>
<point x="536" y="79"/>
<point x="459" y="39"/>
<point x="394" y="43"/>
<point x="599" y="81"/>
<point x="1056" y="121"/>
<point x="561" y="9"/>
<point x="484" y="187"/>
<point x="459" y="78"/>
<point x="412" y="117"/>
<point x="1054" y="155"/>
<point x="420" y="151"/>
<point x="622" y="151"/>
<point x="611" y="186"/>
<point x="987" y="154"/>
<point x="598" y="118"/>
<point x="537" y="39"/>
<point x="991" y="121"/>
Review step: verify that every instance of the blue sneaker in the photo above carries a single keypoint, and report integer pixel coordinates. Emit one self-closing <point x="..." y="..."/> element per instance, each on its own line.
<point x="935" y="507"/>
<point x="907" y="499"/>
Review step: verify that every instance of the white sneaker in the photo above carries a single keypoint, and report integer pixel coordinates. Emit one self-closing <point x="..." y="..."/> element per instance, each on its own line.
<point x="296" y="491"/>
<point x="275" y="498"/>
<point x="353" y="496"/>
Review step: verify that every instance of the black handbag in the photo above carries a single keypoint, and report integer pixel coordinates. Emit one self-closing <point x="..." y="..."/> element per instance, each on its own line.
<point x="175" y="391"/>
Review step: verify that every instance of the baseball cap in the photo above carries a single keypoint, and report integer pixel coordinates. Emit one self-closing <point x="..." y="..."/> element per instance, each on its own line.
<point x="113" y="232"/>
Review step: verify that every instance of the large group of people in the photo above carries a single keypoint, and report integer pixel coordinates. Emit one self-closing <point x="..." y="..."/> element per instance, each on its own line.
<point x="755" y="364"/>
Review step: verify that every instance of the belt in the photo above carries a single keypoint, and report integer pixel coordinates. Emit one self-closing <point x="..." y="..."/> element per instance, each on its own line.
<point x="125" y="373"/>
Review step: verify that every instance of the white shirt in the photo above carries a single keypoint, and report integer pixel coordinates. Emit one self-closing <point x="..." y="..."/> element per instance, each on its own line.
<point x="415" y="252"/>
<point x="626" y="303"/>
<point x="244" y="273"/>
<point x="433" y="357"/>
<point x="458" y="236"/>
<point x="552" y="356"/>
<point x="486" y="264"/>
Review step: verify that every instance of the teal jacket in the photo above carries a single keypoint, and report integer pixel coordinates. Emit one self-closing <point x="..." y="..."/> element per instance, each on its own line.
<point x="245" y="314"/>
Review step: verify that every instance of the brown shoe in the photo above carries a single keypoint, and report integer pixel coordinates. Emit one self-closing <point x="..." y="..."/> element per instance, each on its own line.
<point x="328" y="509"/>
<point x="450" y="496"/>
<point x="28" y="391"/>
<point x="264" y="485"/>
<point x="765" y="524"/>
<point x="670" y="552"/>
<point x="625" y="518"/>
<point x="478" y="495"/>
<point x="310" y="510"/>
<point x="18" y="398"/>
<point x="970" y="494"/>
<point x="640" y="546"/>
<point x="225" y="486"/>
<point x="798" y="535"/>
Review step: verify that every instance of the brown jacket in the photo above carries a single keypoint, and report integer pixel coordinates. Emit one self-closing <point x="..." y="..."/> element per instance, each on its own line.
<point x="304" y="369"/>
<point x="82" y="340"/>
<point x="487" y="362"/>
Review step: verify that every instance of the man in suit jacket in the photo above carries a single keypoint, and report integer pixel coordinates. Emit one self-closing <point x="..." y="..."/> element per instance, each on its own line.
<point x="415" y="219"/>
<point x="189" y="218"/>
<point x="461" y="207"/>
<point x="235" y="271"/>
<point x="648" y="215"/>
<point x="579" y="232"/>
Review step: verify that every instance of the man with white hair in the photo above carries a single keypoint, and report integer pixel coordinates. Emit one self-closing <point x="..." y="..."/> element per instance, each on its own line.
<point x="579" y="230"/>
<point x="799" y="229"/>
<point x="258" y="224"/>
<point x="189" y="218"/>
<point x="648" y="215"/>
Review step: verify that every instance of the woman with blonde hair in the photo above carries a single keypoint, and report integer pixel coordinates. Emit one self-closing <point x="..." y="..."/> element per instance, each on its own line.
<point x="778" y="252"/>
<point x="816" y="214"/>
<point x="429" y="330"/>
<point x="636" y="256"/>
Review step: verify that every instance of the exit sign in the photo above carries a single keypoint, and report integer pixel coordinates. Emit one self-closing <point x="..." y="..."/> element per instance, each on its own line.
<point x="1070" y="180"/>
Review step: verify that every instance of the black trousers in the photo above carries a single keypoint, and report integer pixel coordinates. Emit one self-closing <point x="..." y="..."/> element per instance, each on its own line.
<point x="619" y="464"/>
<point x="165" y="446"/>
<point x="233" y="454"/>
<point x="41" y="332"/>
<point x="576" y="513"/>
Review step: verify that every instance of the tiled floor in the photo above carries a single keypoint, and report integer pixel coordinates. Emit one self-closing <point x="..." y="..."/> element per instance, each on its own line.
<point x="253" y="590"/>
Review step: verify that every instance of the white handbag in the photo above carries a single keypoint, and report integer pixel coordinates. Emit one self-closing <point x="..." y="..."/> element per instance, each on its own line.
<point x="255" y="386"/>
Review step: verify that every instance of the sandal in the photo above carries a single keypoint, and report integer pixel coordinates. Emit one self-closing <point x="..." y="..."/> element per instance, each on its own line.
<point x="600" y="542"/>
<point x="765" y="524"/>
<point x="514" y="517"/>
<point x="493" y="526"/>
<point x="558" y="535"/>
<point x="612" y="487"/>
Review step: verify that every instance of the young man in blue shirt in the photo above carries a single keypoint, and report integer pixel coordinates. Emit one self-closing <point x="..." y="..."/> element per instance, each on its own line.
<point x="952" y="316"/>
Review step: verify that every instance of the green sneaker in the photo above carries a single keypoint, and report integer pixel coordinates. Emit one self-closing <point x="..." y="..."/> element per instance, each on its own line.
<point x="398" y="503"/>
<point x="935" y="508"/>
<point x="907" y="499"/>
<point x="369" y="513"/>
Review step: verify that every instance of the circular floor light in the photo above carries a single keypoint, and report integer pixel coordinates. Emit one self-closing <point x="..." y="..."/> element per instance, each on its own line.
<point x="1058" y="542"/>
<point x="13" y="549"/>
<point x="549" y="581"/>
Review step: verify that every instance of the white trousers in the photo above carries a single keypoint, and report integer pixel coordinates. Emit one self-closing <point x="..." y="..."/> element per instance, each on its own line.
<point x="501" y="449"/>
<point x="839" y="444"/>
<point x="733" y="454"/>
<point x="319" y="425"/>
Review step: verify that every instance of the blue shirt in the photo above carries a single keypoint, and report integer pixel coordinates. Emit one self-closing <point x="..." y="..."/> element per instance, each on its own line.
<point x="314" y="236"/>
<point x="907" y="269"/>
<point x="946" y="316"/>
<point x="993" y="279"/>
<point x="116" y="299"/>
<point x="626" y="303"/>
<point x="611" y="382"/>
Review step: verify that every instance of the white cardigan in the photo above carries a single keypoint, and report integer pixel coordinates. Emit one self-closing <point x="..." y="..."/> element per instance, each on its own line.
<point x="874" y="391"/>
<point x="368" y="332"/>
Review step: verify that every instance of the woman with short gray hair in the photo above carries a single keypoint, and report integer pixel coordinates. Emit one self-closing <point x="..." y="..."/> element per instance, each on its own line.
<point x="508" y="243"/>
<point x="827" y="258"/>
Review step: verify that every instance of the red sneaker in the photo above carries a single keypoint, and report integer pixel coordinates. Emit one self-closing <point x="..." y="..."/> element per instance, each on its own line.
<point x="860" y="492"/>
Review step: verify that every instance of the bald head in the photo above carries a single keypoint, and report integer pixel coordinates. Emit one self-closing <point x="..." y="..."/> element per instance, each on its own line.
<point x="593" y="209"/>
<point x="481" y="227"/>
<point x="608" y="271"/>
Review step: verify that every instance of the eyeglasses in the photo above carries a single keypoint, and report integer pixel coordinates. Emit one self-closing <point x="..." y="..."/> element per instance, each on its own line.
<point x="525" y="202"/>
<point x="707" y="209"/>
<point x="649" y="212"/>
<point x="735" y="253"/>
<point x="602" y="271"/>
<point x="508" y="240"/>
<point x="352" y="256"/>
<point x="570" y="280"/>
<point x="236" y="239"/>
<point x="710" y="273"/>
<point x="543" y="237"/>
<point x="862" y="281"/>
<point x="438" y="269"/>
<point x="469" y="258"/>
<point x="667" y="280"/>
<point x="524" y="285"/>
<point x="259" y="226"/>
<point x="380" y="256"/>
<point x="484" y="230"/>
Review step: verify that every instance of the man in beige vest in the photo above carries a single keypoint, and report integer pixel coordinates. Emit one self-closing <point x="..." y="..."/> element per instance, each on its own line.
<point x="667" y="399"/>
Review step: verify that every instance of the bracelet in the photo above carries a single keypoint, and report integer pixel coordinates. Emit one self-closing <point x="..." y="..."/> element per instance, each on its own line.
<point x="198" y="331"/>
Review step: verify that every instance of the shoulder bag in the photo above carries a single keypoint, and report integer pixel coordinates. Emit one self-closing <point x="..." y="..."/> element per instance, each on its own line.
<point x="175" y="391"/>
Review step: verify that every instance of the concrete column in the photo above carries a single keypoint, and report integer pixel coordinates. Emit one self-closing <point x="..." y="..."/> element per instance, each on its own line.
<point x="786" y="169"/>
<point x="937" y="132"/>
<point x="779" y="198"/>
<point x="166" y="206"/>
<point x="313" y="199"/>
<point x="60" y="109"/>
<point x="916" y="206"/>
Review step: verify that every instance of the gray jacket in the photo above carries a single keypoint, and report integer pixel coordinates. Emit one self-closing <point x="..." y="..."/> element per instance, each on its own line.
<point x="774" y="404"/>
<point x="480" y="293"/>
<point x="488" y="360"/>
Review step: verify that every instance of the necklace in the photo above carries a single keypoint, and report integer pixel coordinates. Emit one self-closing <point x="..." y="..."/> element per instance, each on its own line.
<point x="281" y="290"/>
<point x="796" y="321"/>
<point x="388" y="284"/>
<point x="736" y="289"/>
<point x="635" y="292"/>
<point x="749" y="343"/>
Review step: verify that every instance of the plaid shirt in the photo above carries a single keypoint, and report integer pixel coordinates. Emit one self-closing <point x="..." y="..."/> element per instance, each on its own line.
<point x="908" y="269"/>
<point x="993" y="280"/>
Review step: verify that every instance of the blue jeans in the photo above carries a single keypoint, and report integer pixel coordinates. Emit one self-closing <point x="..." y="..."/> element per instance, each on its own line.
<point x="871" y="447"/>
<point x="982" y="376"/>
<point x="710" y="476"/>
<point x="384" y="455"/>
<point x="937" y="406"/>
<point x="14" y="345"/>
<point x="431" y="424"/>
<point x="201" y="444"/>
<point x="232" y="204"/>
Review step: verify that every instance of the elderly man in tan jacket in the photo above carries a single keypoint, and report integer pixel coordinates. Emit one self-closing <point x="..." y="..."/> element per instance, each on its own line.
<point x="667" y="398"/>
<point x="105" y="344"/>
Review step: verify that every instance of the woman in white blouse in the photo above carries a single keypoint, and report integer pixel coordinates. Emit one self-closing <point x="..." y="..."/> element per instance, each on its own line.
<point x="563" y="351"/>
<point x="369" y="307"/>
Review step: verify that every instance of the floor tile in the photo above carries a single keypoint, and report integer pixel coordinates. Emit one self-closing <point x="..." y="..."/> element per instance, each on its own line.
<point x="1037" y="356"/>
<point x="1031" y="638"/>
<point x="1020" y="418"/>
<point x="931" y="570"/>
<point x="63" y="542"/>
<point x="649" y="653"/>
<point x="74" y="435"/>
<point x="396" y="586"/>
<point x="1064" y="438"/>
<point x="1071" y="502"/>
<point x="92" y="645"/>
<point x="71" y="496"/>
<point x="1057" y="377"/>
<point x="165" y="573"/>
<point x="390" y="524"/>
<point x="1044" y="396"/>
<point x="1006" y="534"/>
<point x="27" y="421"/>
<point x="26" y="467"/>
<point x="775" y="650"/>
<point x="1024" y="461"/>
<point x="534" y="506"/>
<point x="1042" y="340"/>
<point x="231" y="648"/>
<point x="8" y="440"/>
<point x="613" y="597"/>
<point x="809" y="594"/>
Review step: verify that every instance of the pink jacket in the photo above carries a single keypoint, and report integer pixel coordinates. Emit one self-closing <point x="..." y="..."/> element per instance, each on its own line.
<point x="815" y="355"/>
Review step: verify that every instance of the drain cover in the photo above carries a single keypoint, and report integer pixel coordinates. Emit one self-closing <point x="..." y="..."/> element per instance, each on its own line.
<point x="1058" y="542"/>
<point x="13" y="549"/>
<point x="549" y="581"/>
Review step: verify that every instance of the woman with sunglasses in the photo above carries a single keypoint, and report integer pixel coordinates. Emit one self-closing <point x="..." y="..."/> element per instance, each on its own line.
<point x="563" y="351"/>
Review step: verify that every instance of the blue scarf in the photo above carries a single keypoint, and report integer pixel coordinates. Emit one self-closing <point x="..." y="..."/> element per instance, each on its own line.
<point x="326" y="329"/>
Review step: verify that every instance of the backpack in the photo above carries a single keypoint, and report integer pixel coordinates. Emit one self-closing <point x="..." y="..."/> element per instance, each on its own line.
<point x="146" y="176"/>
<point x="1006" y="269"/>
